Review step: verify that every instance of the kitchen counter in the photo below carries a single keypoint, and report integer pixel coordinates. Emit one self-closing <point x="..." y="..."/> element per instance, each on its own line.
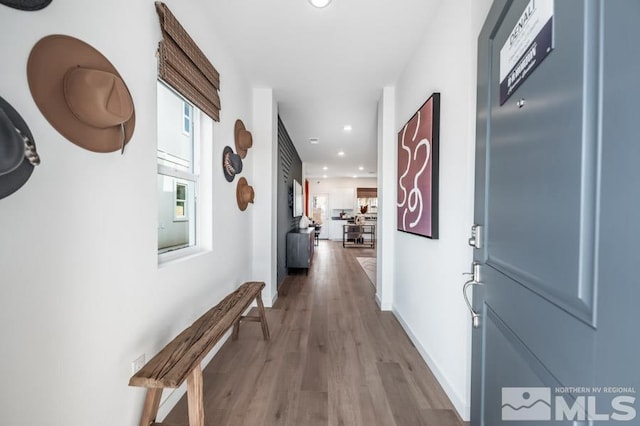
<point x="367" y="217"/>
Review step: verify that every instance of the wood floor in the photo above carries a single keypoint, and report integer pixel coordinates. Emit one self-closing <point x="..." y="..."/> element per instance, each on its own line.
<point x="333" y="359"/>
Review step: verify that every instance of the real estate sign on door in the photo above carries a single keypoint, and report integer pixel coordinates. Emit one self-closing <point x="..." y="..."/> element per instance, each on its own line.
<point x="529" y="42"/>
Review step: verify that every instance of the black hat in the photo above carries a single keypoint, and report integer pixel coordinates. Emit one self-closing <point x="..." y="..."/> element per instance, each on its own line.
<point x="26" y="4"/>
<point x="18" y="153"/>
<point x="231" y="163"/>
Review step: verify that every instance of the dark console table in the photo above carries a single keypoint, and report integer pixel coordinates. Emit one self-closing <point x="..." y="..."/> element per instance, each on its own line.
<point x="300" y="248"/>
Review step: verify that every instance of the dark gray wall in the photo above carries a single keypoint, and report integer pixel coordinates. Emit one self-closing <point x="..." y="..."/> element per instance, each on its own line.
<point x="289" y="168"/>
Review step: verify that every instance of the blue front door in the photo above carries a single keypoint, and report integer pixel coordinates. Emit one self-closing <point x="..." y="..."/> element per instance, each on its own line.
<point x="557" y="200"/>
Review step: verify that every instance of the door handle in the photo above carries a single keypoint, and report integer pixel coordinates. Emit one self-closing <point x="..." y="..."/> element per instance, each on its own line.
<point x="475" y="280"/>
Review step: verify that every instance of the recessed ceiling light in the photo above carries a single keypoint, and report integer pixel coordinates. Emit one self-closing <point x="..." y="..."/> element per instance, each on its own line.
<point x="341" y="153"/>
<point x="348" y="128"/>
<point x="314" y="141"/>
<point x="325" y="168"/>
<point x="320" y="3"/>
<point x="360" y="168"/>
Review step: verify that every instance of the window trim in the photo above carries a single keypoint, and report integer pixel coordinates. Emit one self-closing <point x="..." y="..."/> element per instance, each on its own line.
<point x="180" y="174"/>
<point x="179" y="255"/>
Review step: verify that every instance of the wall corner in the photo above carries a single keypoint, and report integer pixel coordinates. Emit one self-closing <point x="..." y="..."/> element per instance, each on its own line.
<point x="386" y="198"/>
<point x="265" y="136"/>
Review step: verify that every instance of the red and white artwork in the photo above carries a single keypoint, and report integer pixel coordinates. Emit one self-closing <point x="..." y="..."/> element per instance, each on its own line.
<point x="418" y="147"/>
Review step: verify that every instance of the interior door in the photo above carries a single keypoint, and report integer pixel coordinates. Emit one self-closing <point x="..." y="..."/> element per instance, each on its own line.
<point x="558" y="293"/>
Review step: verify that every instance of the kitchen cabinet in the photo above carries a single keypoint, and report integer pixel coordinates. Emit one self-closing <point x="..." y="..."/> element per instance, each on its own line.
<point x="335" y="233"/>
<point x="342" y="198"/>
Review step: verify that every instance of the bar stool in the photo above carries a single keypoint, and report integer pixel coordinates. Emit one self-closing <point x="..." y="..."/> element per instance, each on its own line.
<point x="316" y="240"/>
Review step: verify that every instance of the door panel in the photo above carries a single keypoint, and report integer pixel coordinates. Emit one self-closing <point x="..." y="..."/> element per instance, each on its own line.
<point x="541" y="169"/>
<point x="535" y="210"/>
<point x="537" y="228"/>
<point x="521" y="366"/>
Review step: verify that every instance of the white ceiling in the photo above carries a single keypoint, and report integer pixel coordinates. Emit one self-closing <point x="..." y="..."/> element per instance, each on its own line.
<point x="327" y="68"/>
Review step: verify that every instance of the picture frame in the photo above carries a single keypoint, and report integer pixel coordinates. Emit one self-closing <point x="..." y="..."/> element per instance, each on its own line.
<point x="418" y="171"/>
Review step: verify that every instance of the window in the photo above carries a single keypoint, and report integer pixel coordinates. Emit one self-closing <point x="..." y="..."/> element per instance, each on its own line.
<point x="180" y="212"/>
<point x="187" y="111"/>
<point x="178" y="171"/>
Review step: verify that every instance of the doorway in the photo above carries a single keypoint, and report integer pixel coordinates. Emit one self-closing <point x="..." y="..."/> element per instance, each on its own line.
<point x="320" y="213"/>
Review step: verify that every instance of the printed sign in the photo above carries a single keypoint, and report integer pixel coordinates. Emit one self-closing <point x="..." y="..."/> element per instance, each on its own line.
<point x="529" y="42"/>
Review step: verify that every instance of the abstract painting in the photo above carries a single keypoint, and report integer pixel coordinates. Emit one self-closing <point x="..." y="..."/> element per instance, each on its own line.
<point x="418" y="148"/>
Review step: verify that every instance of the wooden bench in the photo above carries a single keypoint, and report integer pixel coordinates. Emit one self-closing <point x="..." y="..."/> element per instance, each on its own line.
<point x="181" y="358"/>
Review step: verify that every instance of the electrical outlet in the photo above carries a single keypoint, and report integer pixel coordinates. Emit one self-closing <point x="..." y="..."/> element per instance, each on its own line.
<point x="138" y="364"/>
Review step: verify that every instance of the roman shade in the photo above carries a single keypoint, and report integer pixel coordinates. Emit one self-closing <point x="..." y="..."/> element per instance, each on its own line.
<point x="367" y="192"/>
<point x="183" y="66"/>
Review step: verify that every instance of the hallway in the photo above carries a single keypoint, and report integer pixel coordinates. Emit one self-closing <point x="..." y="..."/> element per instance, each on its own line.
<point x="333" y="359"/>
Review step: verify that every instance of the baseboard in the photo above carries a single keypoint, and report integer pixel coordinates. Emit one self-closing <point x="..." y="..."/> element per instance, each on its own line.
<point x="462" y="409"/>
<point x="171" y="399"/>
<point x="383" y="307"/>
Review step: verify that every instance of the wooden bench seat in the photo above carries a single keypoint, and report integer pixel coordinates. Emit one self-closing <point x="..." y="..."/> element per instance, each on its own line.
<point x="181" y="358"/>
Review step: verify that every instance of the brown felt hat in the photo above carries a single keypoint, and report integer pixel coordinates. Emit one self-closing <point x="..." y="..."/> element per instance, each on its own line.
<point x="244" y="194"/>
<point x="81" y="93"/>
<point x="243" y="138"/>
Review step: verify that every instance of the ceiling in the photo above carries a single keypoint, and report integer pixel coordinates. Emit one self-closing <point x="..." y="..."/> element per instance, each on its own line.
<point x="327" y="68"/>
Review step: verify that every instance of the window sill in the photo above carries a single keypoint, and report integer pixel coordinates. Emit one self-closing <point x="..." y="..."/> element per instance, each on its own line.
<point x="172" y="257"/>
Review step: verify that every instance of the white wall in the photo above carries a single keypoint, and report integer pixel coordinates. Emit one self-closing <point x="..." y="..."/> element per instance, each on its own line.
<point x="428" y="273"/>
<point x="332" y="186"/>
<point x="81" y="294"/>
<point x="265" y="164"/>
<point x="385" y="274"/>
<point x="324" y="186"/>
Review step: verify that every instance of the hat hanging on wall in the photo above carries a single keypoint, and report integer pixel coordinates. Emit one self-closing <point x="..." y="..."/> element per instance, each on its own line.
<point x="244" y="194"/>
<point x="18" y="154"/>
<point x="231" y="163"/>
<point x="81" y="93"/>
<point x="26" y="4"/>
<point x="243" y="138"/>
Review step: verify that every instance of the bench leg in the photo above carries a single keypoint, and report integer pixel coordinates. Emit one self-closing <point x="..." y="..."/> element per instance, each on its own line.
<point x="263" y="317"/>
<point x="151" y="405"/>
<point x="195" y="397"/>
